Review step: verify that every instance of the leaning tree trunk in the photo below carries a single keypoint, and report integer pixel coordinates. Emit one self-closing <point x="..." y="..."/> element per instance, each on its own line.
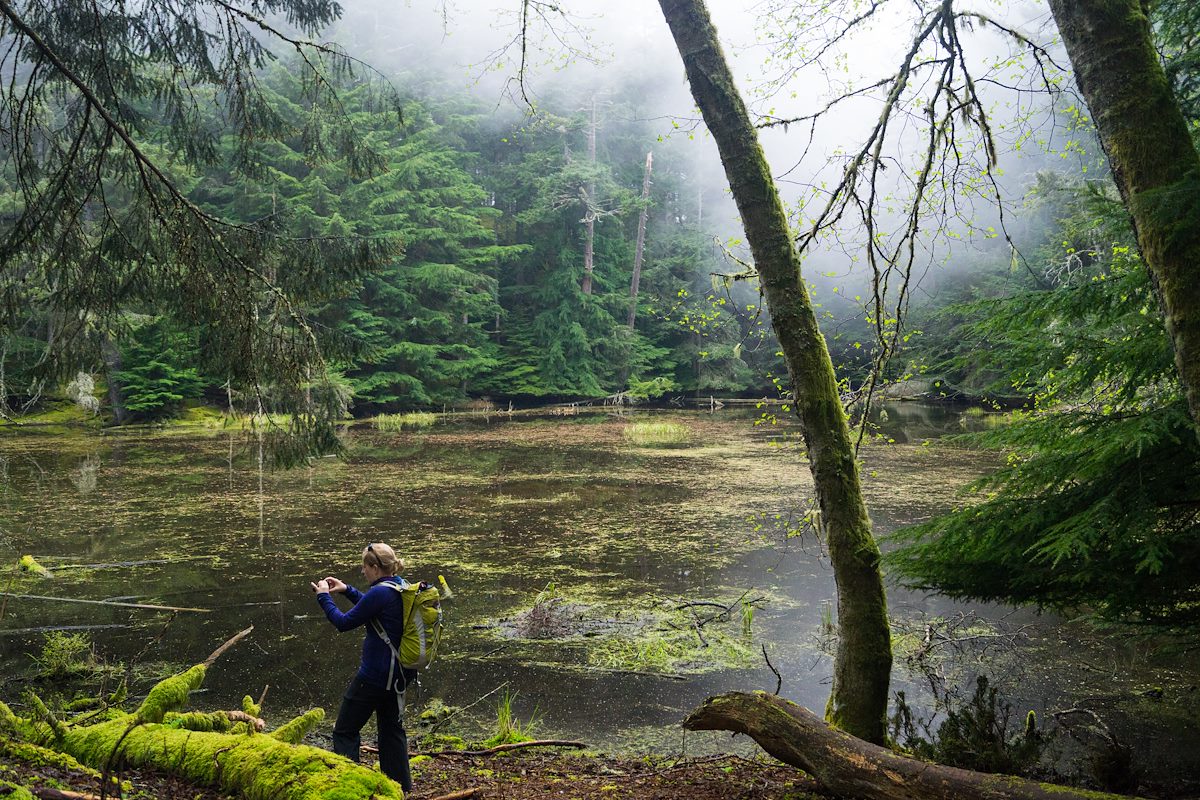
<point x="1153" y="160"/>
<point x="850" y="767"/>
<point x="862" y="666"/>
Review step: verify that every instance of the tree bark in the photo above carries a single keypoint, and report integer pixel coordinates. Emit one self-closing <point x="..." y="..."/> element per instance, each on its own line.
<point x="589" y="208"/>
<point x="640" y="249"/>
<point x="850" y="767"/>
<point x="862" y="666"/>
<point x="111" y="355"/>
<point x="1153" y="161"/>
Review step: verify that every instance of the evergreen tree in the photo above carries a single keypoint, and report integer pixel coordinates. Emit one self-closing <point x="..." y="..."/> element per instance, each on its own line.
<point x="1098" y="504"/>
<point x="108" y="103"/>
<point x="418" y="331"/>
<point x="159" y="369"/>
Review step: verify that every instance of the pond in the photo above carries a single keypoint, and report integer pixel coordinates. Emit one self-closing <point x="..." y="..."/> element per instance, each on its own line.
<point x="621" y="532"/>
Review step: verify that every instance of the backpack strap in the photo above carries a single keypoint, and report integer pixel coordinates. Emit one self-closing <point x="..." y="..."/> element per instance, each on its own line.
<point x="377" y="626"/>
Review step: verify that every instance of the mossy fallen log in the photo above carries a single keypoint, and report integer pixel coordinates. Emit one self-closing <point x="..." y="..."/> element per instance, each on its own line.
<point x="850" y="767"/>
<point x="27" y="563"/>
<point x="254" y="767"/>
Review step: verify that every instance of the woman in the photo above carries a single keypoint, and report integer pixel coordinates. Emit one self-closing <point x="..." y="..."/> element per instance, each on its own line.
<point x="378" y="687"/>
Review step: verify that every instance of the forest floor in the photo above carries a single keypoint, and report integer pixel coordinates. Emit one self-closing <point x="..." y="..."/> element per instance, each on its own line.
<point x="512" y="776"/>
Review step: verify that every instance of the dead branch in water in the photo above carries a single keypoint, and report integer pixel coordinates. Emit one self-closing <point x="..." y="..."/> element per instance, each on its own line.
<point x="146" y="606"/>
<point x="220" y="651"/>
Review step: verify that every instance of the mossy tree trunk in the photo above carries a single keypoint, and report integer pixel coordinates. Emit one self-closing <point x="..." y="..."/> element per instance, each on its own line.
<point x="849" y="767"/>
<point x="1153" y="159"/>
<point x="862" y="667"/>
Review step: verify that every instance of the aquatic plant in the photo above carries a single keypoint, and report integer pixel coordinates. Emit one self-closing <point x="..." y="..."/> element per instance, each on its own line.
<point x="548" y="618"/>
<point x="652" y="433"/>
<point x="509" y="727"/>
<point x="977" y="734"/>
<point x="414" y="421"/>
<point x="64" y="654"/>
<point x="671" y="643"/>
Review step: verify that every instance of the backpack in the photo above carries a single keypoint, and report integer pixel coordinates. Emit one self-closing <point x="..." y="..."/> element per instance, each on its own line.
<point x="422" y="612"/>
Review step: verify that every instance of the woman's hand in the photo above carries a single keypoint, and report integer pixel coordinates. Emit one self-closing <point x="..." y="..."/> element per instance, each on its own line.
<point x="322" y="586"/>
<point x="334" y="584"/>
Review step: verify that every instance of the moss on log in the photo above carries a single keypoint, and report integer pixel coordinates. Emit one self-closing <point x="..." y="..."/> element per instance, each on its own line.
<point x="252" y="767"/>
<point x="847" y="766"/>
<point x="27" y="563"/>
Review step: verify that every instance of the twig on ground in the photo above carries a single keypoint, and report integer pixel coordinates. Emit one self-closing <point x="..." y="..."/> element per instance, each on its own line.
<point x="454" y="714"/>
<point x="461" y="794"/>
<point x="501" y="748"/>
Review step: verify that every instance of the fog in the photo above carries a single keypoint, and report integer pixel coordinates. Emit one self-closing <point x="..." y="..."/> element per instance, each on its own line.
<point x="623" y="49"/>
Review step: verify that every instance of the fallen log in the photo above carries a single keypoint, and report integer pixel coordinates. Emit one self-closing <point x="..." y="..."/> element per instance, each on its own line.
<point x="844" y="765"/>
<point x="249" y="765"/>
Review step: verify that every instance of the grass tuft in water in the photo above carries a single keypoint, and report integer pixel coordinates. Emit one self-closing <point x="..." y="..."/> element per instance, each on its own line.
<point x="652" y="433"/>
<point x="509" y="727"/>
<point x="414" y="421"/>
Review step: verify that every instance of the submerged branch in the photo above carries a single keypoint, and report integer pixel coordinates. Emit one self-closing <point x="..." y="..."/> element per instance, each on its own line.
<point x="146" y="606"/>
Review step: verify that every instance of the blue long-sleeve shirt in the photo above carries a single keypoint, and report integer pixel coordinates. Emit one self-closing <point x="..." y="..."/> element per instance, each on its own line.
<point x="379" y="602"/>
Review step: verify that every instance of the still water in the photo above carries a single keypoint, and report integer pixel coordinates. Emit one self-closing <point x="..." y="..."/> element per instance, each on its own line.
<point x="504" y="509"/>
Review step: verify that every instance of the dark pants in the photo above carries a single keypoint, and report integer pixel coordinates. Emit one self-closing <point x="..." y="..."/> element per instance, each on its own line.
<point x="358" y="704"/>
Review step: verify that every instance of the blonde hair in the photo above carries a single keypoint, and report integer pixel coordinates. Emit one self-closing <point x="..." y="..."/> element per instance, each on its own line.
<point x="382" y="556"/>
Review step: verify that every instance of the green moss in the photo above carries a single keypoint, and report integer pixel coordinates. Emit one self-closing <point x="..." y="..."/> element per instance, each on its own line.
<point x="13" y="791"/>
<point x="253" y="767"/>
<point x="198" y="721"/>
<point x="250" y="707"/>
<point x="170" y="694"/>
<point x="442" y="741"/>
<point x="44" y="714"/>
<point x="296" y="729"/>
<point x="37" y="756"/>
<point x="59" y="413"/>
<point x="28" y="564"/>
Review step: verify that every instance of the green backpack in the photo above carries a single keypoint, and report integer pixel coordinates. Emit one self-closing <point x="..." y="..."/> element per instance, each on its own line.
<point x="422" y="633"/>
